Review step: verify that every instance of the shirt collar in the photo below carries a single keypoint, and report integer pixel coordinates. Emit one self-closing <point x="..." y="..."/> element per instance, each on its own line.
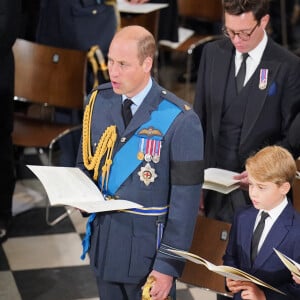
<point x="257" y="53"/>
<point x="275" y="212"/>
<point x="138" y="99"/>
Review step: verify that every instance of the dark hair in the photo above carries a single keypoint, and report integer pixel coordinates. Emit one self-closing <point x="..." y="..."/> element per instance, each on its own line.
<point x="259" y="8"/>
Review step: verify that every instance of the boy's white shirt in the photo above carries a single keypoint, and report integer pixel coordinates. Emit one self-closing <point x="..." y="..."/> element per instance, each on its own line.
<point x="273" y="215"/>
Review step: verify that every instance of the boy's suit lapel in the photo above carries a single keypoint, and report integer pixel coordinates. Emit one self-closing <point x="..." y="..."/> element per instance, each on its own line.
<point x="275" y="237"/>
<point x="248" y="232"/>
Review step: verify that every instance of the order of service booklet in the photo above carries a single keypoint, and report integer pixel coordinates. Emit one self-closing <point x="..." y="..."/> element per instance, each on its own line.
<point x="71" y="187"/>
<point x="220" y="180"/>
<point x="289" y="263"/>
<point x="226" y="271"/>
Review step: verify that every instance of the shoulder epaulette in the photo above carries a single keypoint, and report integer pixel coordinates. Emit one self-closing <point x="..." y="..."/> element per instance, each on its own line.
<point x="184" y="106"/>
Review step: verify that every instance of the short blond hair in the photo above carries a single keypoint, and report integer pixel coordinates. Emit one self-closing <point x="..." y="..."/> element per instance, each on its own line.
<point x="146" y="45"/>
<point x="272" y="164"/>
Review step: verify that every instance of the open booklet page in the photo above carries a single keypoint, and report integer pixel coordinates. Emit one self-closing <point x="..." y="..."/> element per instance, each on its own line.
<point x="289" y="263"/>
<point x="226" y="271"/>
<point x="71" y="187"/>
<point x="145" y="8"/>
<point x="220" y="180"/>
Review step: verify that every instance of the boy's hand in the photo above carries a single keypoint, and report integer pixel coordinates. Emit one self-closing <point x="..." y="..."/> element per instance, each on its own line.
<point x="249" y="290"/>
<point x="296" y="278"/>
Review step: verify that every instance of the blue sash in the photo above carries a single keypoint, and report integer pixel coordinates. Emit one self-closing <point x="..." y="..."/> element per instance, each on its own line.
<point x="126" y="161"/>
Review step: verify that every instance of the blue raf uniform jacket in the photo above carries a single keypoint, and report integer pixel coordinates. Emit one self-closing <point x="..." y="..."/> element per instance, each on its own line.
<point x="123" y="245"/>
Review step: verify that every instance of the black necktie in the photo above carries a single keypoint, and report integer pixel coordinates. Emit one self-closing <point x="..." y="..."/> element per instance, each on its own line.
<point x="126" y="111"/>
<point x="257" y="235"/>
<point x="240" y="77"/>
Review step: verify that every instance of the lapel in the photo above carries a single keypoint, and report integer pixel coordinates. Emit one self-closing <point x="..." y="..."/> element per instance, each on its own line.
<point x="275" y="237"/>
<point x="220" y="67"/>
<point x="256" y="96"/>
<point x="115" y="111"/>
<point x="247" y="233"/>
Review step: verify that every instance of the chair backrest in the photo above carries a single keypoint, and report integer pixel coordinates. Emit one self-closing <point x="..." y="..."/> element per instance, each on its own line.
<point x="210" y="241"/>
<point x="211" y="11"/>
<point x="49" y="75"/>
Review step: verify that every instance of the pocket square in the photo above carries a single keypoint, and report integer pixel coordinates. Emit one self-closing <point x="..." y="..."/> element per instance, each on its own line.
<point x="272" y="89"/>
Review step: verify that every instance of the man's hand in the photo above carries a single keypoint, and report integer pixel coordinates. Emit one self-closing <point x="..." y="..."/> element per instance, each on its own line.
<point x="243" y="178"/>
<point x="249" y="290"/>
<point x="161" y="286"/>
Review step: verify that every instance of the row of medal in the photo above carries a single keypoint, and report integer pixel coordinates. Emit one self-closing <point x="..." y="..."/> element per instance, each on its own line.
<point x="149" y="150"/>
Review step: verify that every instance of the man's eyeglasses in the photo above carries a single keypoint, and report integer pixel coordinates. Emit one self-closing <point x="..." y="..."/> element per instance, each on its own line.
<point x="244" y="36"/>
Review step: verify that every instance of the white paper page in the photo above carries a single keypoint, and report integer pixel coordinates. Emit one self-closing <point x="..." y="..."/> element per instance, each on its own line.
<point x="127" y="7"/>
<point x="183" y="35"/>
<point x="70" y="186"/>
<point x="220" y="176"/>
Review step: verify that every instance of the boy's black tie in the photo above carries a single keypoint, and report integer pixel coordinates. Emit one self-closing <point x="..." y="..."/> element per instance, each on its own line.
<point x="240" y="77"/>
<point x="257" y="235"/>
<point x="126" y="111"/>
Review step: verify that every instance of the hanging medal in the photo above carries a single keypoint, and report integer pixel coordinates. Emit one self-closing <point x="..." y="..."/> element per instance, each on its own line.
<point x="141" y="152"/>
<point x="156" y="154"/>
<point x="148" y="154"/>
<point x="263" y="79"/>
<point x="147" y="174"/>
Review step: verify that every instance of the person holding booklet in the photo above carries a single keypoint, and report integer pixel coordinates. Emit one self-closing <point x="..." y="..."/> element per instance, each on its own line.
<point x="272" y="223"/>
<point x="247" y="96"/>
<point x="138" y="144"/>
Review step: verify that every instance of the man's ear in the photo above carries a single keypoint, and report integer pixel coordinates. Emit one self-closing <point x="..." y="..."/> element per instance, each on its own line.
<point x="264" y="21"/>
<point x="147" y="64"/>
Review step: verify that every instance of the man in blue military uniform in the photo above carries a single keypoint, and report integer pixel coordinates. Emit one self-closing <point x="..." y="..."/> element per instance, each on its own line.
<point x="155" y="161"/>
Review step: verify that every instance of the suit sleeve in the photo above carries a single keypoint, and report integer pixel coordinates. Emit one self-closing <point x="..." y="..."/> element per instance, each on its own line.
<point x="200" y="98"/>
<point x="290" y="106"/>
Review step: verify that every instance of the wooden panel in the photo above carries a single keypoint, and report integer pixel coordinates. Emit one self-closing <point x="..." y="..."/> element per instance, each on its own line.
<point x="51" y="75"/>
<point x="149" y="21"/>
<point x="211" y="10"/>
<point x="210" y="241"/>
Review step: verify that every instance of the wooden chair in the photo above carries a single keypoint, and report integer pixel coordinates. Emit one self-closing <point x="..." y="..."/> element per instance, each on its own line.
<point x="202" y="10"/>
<point x="48" y="78"/>
<point x="210" y="241"/>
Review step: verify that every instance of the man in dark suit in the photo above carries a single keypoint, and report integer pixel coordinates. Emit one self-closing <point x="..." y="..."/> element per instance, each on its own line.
<point x="271" y="173"/>
<point x="241" y="114"/>
<point x="9" y="15"/>
<point x="155" y="161"/>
